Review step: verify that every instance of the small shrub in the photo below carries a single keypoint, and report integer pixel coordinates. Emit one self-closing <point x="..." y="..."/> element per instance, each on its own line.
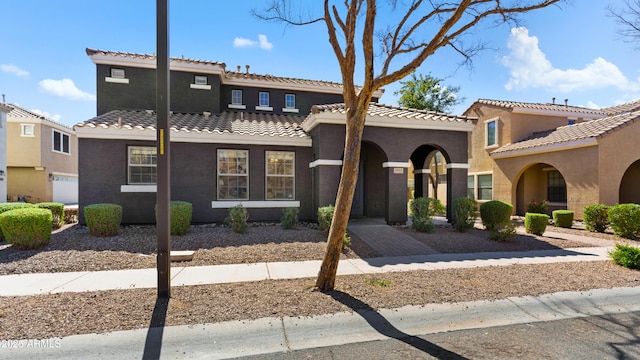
<point x="503" y="232"/>
<point x="325" y="217"/>
<point x="181" y="213"/>
<point x="103" y="219"/>
<point x="465" y="212"/>
<point x="237" y="219"/>
<point x="562" y="218"/>
<point x="495" y="214"/>
<point x="12" y="206"/>
<point x="27" y="228"/>
<point x="595" y="217"/>
<point x="377" y="282"/>
<point x="57" y="211"/>
<point x="535" y="223"/>
<point x="625" y="220"/>
<point x="70" y="215"/>
<point x="625" y="255"/>
<point x="541" y="207"/>
<point x="289" y="218"/>
<point x="346" y="240"/>
<point x="422" y="211"/>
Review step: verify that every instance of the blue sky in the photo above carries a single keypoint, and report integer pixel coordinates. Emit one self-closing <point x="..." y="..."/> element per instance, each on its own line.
<point x="570" y="53"/>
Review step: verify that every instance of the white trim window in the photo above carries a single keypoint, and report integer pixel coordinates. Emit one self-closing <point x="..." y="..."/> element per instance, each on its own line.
<point x="117" y="73"/>
<point x="61" y="142"/>
<point x="485" y="187"/>
<point x="263" y="99"/>
<point x="290" y="103"/>
<point x="233" y="174"/>
<point x="142" y="163"/>
<point x="280" y="175"/>
<point x="236" y="97"/>
<point x="471" y="187"/>
<point x="491" y="133"/>
<point x="200" y="80"/>
<point x="28" y="130"/>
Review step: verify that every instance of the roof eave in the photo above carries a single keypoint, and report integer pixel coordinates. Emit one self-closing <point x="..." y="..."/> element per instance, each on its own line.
<point x="569" y="145"/>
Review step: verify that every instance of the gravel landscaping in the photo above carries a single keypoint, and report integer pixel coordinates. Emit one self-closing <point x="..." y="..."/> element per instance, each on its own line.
<point x="72" y="249"/>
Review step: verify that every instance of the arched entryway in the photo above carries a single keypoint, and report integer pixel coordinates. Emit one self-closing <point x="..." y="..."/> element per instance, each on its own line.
<point x="428" y="175"/>
<point x="629" y="189"/>
<point x="369" y="199"/>
<point x="540" y="182"/>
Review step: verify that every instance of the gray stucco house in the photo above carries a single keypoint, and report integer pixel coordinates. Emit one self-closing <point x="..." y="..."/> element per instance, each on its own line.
<point x="263" y="141"/>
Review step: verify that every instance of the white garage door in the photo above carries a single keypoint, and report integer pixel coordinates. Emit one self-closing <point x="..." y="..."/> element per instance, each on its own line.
<point x="65" y="189"/>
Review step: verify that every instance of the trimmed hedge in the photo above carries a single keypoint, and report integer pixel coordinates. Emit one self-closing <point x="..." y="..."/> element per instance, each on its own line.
<point x="422" y="211"/>
<point x="562" y="218"/>
<point x="27" y="228"/>
<point x="595" y="217"/>
<point x="625" y="255"/>
<point x="535" y="223"/>
<point x="625" y="220"/>
<point x="57" y="211"/>
<point x="4" y="207"/>
<point x="103" y="219"/>
<point x="465" y="212"/>
<point x="495" y="214"/>
<point x="180" y="213"/>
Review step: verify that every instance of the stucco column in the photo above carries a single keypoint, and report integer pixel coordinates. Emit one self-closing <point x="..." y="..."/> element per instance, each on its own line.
<point x="457" y="178"/>
<point x="396" y="192"/>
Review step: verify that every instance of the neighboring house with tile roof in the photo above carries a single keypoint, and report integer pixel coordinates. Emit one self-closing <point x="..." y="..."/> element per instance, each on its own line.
<point x="262" y="141"/>
<point x="569" y="156"/>
<point x="4" y="109"/>
<point x="42" y="158"/>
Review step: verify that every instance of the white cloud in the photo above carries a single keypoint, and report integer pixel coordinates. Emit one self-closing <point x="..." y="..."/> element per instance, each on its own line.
<point x="55" y="117"/>
<point x="12" y="69"/>
<point x="262" y="42"/>
<point x="65" y="88"/>
<point x="530" y="68"/>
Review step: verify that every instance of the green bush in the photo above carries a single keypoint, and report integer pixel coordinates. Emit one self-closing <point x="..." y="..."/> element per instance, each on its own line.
<point x="12" y="206"/>
<point x="325" y="217"/>
<point x="495" y="214"/>
<point x="237" y="219"/>
<point x="57" y="211"/>
<point x="465" y="212"/>
<point x="180" y="213"/>
<point x="535" y="223"/>
<point x="27" y="228"/>
<point x="625" y="255"/>
<point x="625" y="220"/>
<point x="541" y="207"/>
<point x="562" y="218"/>
<point x="503" y="232"/>
<point x="289" y="218"/>
<point x="595" y="217"/>
<point x="103" y="219"/>
<point x="422" y="211"/>
<point x="346" y="240"/>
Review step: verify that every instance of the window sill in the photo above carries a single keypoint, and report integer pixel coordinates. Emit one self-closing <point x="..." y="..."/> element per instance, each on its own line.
<point x="61" y="152"/>
<point x="255" y="204"/>
<point x="116" y="80"/>
<point x="264" y="108"/>
<point x="237" y="106"/>
<point x="138" y="188"/>
<point x="200" y="86"/>
<point x="290" y="110"/>
<point x="492" y="147"/>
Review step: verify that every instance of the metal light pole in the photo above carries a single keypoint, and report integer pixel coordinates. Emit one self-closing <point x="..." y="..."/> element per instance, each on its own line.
<point x="163" y="195"/>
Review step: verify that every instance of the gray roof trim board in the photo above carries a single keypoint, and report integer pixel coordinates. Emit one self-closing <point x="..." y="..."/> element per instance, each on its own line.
<point x="566" y="137"/>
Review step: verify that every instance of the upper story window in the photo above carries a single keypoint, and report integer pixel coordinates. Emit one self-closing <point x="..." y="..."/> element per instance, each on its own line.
<point x="117" y="75"/>
<point x="61" y="142"/>
<point x="142" y="165"/>
<point x="280" y="175"/>
<point x="290" y="103"/>
<point x="263" y="101"/>
<point x="491" y="133"/>
<point x="236" y="100"/>
<point x="200" y="82"/>
<point x="27" y="130"/>
<point x="233" y="174"/>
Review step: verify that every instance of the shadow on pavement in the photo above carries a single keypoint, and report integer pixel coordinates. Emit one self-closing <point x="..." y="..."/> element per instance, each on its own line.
<point x="153" y="342"/>
<point x="384" y="327"/>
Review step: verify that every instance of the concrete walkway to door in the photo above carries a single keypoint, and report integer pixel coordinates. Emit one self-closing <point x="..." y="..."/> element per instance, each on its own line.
<point x="386" y="240"/>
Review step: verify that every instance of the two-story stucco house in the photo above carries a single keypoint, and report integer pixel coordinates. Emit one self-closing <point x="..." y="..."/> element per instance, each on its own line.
<point x="570" y="156"/>
<point x="42" y="158"/>
<point x="4" y="109"/>
<point x="262" y="141"/>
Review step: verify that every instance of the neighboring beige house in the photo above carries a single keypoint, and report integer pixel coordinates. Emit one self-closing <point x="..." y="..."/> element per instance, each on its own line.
<point x="3" y="151"/>
<point x="567" y="155"/>
<point x="42" y="158"/>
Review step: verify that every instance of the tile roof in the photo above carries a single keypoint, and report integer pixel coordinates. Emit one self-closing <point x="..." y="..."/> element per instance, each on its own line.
<point x="381" y="110"/>
<point x="286" y="80"/>
<point x="538" y="106"/>
<point x="626" y="107"/>
<point x="228" y="122"/>
<point x="580" y="131"/>
<point x="130" y="55"/>
<point x="19" y="112"/>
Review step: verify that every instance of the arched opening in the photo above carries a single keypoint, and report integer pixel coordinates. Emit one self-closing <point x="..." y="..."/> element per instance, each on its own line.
<point x="369" y="198"/>
<point x="428" y="174"/>
<point x="540" y="182"/>
<point x="629" y="190"/>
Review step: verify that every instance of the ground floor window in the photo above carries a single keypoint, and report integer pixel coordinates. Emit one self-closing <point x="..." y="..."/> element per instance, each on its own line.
<point x="233" y="174"/>
<point x="485" y="187"/>
<point x="280" y="182"/>
<point x="471" y="187"/>
<point x="556" y="187"/>
<point x="142" y="164"/>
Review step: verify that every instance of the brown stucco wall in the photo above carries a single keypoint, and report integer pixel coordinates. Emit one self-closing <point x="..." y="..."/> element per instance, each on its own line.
<point x="23" y="150"/>
<point x="26" y="181"/>
<point x="618" y="151"/>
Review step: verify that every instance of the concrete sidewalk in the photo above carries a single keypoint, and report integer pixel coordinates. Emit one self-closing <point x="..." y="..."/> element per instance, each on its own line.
<point x="48" y="283"/>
